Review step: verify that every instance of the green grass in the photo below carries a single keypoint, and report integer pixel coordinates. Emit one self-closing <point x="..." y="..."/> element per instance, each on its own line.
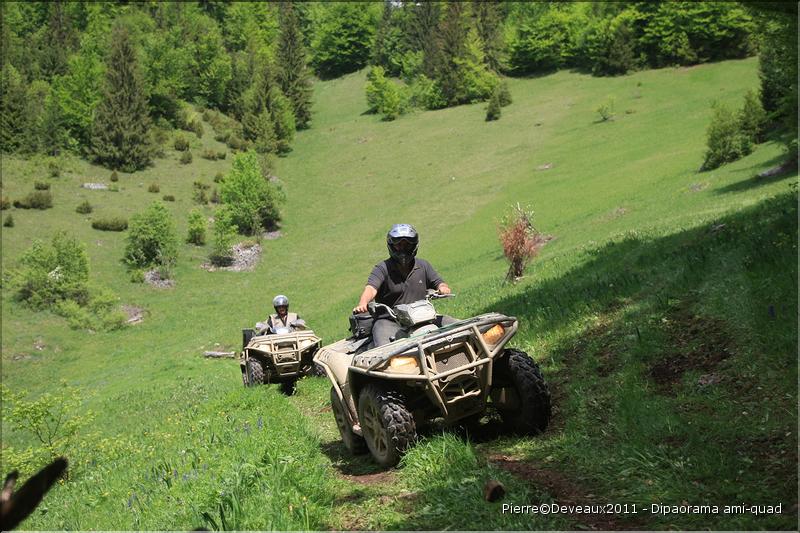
<point x="634" y="265"/>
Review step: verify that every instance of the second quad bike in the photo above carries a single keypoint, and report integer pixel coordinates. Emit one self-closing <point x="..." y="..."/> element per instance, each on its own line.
<point x="381" y="396"/>
<point x="281" y="356"/>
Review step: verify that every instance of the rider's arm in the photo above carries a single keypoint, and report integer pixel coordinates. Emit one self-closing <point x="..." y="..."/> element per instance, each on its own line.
<point x="366" y="297"/>
<point x="435" y="281"/>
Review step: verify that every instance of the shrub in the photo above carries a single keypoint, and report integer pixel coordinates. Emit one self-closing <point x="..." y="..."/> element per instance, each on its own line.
<point x="724" y="139"/>
<point x="752" y="118"/>
<point x="493" y="111"/>
<point x="199" y="194"/>
<point x="54" y="169"/>
<point x="214" y="199"/>
<point x="114" y="177"/>
<point x="181" y="143"/>
<point x="8" y="221"/>
<point x="168" y="198"/>
<point x="520" y="240"/>
<point x="503" y="93"/>
<point x="41" y="186"/>
<point x="35" y="200"/>
<point x="222" y="136"/>
<point x="426" y="93"/>
<point x="384" y="96"/>
<point x="209" y="154"/>
<point x="222" y="154"/>
<point x="197" y="228"/>
<point x="218" y="177"/>
<point x="5" y="203"/>
<point x="137" y="275"/>
<point x="197" y="127"/>
<point x="152" y="239"/>
<point x="252" y="200"/>
<point x="84" y="208"/>
<point x="99" y="313"/>
<point x="237" y="143"/>
<point x="224" y="235"/>
<point x="186" y="158"/>
<point x="110" y="224"/>
<point x="52" y="272"/>
<point x="606" y="110"/>
<point x="154" y="188"/>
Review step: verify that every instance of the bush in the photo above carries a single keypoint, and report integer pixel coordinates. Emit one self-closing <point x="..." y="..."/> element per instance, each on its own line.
<point x="503" y="93"/>
<point x="114" y="177"/>
<point x="237" y="143"/>
<point x="99" y="313"/>
<point x="493" y="111"/>
<point x="752" y="118"/>
<point x="54" y="272"/>
<point x="110" y="224"/>
<point x="41" y="186"/>
<point x="606" y="110"/>
<point x="252" y="200"/>
<point x="724" y="139"/>
<point x="137" y="275"/>
<point x="384" y="96"/>
<point x="8" y="221"/>
<point x="199" y="194"/>
<point x="35" y="200"/>
<point x="181" y="143"/>
<point x="5" y="203"/>
<point x="209" y="154"/>
<point x="152" y="239"/>
<point x="154" y="188"/>
<point x="426" y="93"/>
<point x="168" y="198"/>
<point x="54" y="169"/>
<point x="186" y="158"/>
<point x="222" y="137"/>
<point x="214" y="199"/>
<point x="218" y="177"/>
<point x="197" y="228"/>
<point x="224" y="235"/>
<point x="84" y="208"/>
<point x="520" y="240"/>
<point x="197" y="127"/>
<point x="222" y="154"/>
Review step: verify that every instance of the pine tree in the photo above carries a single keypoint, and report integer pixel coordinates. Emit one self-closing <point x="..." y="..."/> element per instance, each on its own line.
<point x="380" y="51"/>
<point x="12" y="108"/>
<point x="422" y="34"/>
<point x="293" y="75"/>
<point x="268" y="119"/>
<point x="58" y="41"/>
<point x="453" y="31"/>
<point x="121" y="130"/>
<point x="489" y="23"/>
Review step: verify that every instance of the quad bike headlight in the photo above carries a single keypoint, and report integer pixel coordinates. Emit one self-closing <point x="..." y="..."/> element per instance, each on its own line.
<point x="403" y="364"/>
<point x="493" y="335"/>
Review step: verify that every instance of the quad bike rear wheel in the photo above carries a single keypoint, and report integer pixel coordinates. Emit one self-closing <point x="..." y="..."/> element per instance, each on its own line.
<point x="533" y="413"/>
<point x="255" y="372"/>
<point x="354" y="443"/>
<point x="387" y="424"/>
<point x="289" y="387"/>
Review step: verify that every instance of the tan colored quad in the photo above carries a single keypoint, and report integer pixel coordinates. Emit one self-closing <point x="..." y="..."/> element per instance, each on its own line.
<point x="279" y="358"/>
<point x="380" y="396"/>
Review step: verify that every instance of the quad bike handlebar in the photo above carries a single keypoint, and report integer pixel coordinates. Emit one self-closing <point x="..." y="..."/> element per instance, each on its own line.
<point x="373" y="306"/>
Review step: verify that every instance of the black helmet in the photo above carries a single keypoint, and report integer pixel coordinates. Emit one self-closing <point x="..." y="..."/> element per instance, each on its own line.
<point x="280" y="301"/>
<point x="401" y="233"/>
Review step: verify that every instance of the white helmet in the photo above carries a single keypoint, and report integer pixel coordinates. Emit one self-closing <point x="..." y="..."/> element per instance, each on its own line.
<point x="280" y="301"/>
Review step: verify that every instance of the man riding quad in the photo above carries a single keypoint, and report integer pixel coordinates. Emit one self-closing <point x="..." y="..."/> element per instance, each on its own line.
<point x="400" y="279"/>
<point x="280" y="319"/>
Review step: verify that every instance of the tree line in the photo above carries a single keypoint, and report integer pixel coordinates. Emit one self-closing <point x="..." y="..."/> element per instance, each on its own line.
<point x="73" y="70"/>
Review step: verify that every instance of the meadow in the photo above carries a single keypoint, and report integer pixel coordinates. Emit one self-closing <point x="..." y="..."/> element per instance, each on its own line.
<point x="663" y="313"/>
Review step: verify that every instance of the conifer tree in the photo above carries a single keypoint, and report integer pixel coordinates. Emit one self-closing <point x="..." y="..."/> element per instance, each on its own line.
<point x="489" y="23"/>
<point x="422" y="34"/>
<point x="293" y="75"/>
<point x="453" y="31"/>
<point x="12" y="108"/>
<point x="58" y="41"/>
<point x="121" y="130"/>
<point x="268" y="118"/>
<point x="380" y="51"/>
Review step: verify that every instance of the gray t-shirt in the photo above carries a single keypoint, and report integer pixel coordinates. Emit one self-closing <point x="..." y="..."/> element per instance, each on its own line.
<point x="395" y="288"/>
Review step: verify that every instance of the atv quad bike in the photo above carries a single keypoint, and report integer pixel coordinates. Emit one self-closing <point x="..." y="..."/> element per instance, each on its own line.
<point x="381" y="395"/>
<point x="283" y="357"/>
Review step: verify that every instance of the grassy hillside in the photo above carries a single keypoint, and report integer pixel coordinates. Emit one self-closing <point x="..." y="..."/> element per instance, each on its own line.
<point x="663" y="313"/>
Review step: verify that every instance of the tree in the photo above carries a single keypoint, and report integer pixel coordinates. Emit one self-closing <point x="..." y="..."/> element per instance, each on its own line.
<point x="268" y="118"/>
<point x="12" y="108"/>
<point x="343" y="39"/>
<point x="452" y="47"/>
<point x="293" y="76"/>
<point x="152" y="238"/>
<point x="421" y="30"/>
<point x="58" y="39"/>
<point x="724" y="139"/>
<point x="489" y="24"/>
<point x="121" y="130"/>
<point x="251" y="200"/>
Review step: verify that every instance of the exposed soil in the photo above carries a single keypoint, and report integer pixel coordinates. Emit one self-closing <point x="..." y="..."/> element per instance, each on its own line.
<point x="135" y="314"/>
<point x="563" y="490"/>
<point x="245" y="258"/>
<point x="375" y="478"/>
<point x="153" y="278"/>
<point x="695" y="343"/>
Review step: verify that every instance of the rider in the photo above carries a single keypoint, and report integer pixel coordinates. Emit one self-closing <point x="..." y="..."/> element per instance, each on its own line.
<point x="282" y="318"/>
<point x="400" y="279"/>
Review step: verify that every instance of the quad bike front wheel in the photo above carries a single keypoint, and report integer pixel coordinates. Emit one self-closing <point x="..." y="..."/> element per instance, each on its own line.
<point x="255" y="372"/>
<point x="354" y="443"/>
<point x="387" y="424"/>
<point x="533" y="413"/>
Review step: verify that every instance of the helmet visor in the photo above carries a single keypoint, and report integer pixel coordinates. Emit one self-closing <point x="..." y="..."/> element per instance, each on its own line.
<point x="403" y="244"/>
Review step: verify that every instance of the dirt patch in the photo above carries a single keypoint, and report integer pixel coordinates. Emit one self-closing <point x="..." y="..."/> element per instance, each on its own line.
<point x="153" y="278"/>
<point x="245" y="258"/>
<point x="695" y="343"/>
<point x="562" y="489"/>
<point x="95" y="186"/>
<point x="272" y="235"/>
<point x="135" y="314"/>
<point x="375" y="478"/>
<point x="697" y="187"/>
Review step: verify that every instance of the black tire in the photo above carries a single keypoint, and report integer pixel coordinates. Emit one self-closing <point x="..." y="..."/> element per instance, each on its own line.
<point x="534" y="411"/>
<point x="355" y="444"/>
<point x="289" y="388"/>
<point x="255" y="372"/>
<point x="386" y="423"/>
